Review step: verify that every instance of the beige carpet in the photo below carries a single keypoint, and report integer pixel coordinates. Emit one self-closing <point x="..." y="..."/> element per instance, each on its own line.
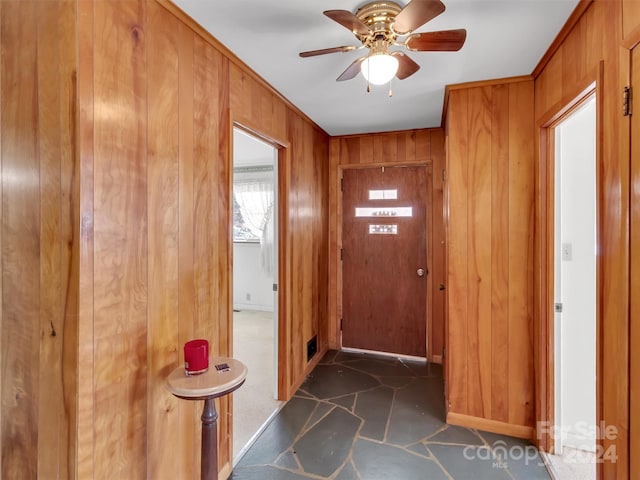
<point x="572" y="465"/>
<point x="254" y="402"/>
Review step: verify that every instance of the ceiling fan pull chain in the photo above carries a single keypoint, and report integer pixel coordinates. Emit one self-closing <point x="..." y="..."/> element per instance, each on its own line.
<point x="390" y="90"/>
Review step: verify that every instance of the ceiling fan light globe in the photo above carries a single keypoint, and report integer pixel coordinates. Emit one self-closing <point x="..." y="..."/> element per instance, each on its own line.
<point x="379" y="69"/>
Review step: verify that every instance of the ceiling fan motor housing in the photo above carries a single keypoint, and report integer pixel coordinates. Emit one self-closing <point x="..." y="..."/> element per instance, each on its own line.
<point x="378" y="16"/>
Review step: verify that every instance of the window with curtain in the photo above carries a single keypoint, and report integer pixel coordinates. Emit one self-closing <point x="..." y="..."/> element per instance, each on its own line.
<point x="253" y="199"/>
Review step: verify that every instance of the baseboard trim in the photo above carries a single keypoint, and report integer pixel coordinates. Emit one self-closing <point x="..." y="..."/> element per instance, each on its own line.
<point x="494" y="426"/>
<point x="384" y="354"/>
<point x="225" y="472"/>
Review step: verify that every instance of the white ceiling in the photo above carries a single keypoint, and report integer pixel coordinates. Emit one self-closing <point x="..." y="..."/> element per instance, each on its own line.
<point x="504" y="38"/>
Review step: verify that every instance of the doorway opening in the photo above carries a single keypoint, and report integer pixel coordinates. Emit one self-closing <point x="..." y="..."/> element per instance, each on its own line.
<point x="255" y="281"/>
<point x="573" y="140"/>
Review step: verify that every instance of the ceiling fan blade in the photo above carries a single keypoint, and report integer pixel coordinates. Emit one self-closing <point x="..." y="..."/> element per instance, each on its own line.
<point x="324" y="51"/>
<point x="352" y="70"/>
<point x="406" y="66"/>
<point x="443" y="41"/>
<point x="417" y="13"/>
<point x="348" y="20"/>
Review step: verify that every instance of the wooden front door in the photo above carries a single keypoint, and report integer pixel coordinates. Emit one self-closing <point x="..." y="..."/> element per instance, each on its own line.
<point x="384" y="259"/>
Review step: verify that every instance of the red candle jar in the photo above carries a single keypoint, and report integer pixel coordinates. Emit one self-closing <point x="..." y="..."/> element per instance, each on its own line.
<point x="196" y="356"/>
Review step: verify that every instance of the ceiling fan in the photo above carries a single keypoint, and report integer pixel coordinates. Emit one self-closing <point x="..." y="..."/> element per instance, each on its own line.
<point x="380" y="25"/>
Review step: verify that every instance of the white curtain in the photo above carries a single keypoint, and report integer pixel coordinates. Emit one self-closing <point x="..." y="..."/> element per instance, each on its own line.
<point x="254" y="192"/>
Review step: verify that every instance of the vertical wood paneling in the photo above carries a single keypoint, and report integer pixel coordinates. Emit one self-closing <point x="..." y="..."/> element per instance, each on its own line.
<point x="320" y="267"/>
<point x="70" y="225"/>
<point x="520" y="255"/>
<point x="304" y="224"/>
<point x="20" y="242"/>
<point x="149" y="268"/>
<point x="630" y="17"/>
<point x="363" y="145"/>
<point x="334" y="233"/>
<point x="479" y="252"/>
<point x="437" y="271"/>
<point x="52" y="269"/>
<point x="86" y="363"/>
<point x="457" y="252"/>
<point x="38" y="241"/>
<point x="500" y="115"/>
<point x="2" y="126"/>
<point x="299" y="283"/>
<point x="189" y="438"/>
<point x="423" y="146"/>
<point x="163" y="186"/>
<point x="120" y="240"/>
<point x="490" y="296"/>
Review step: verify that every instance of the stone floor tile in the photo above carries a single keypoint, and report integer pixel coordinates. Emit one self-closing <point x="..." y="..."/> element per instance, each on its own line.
<point x="416" y="412"/>
<point x="347" y="473"/>
<point x="377" y="367"/>
<point x="457" y="435"/>
<point x="334" y="427"/>
<point x="419" y="448"/>
<point x="347" y="401"/>
<point x="321" y="410"/>
<point x="395" y="382"/>
<point x="374" y="407"/>
<point x="334" y="380"/>
<point x="375" y="461"/>
<point x="288" y="460"/>
<point x="280" y="433"/>
<point x="265" y="472"/>
<point x="325" y="447"/>
<point x="424" y="369"/>
<point x="301" y="393"/>
<point x="469" y="462"/>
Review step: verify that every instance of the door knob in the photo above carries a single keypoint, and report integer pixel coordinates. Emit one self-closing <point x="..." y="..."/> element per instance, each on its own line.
<point x="420" y="272"/>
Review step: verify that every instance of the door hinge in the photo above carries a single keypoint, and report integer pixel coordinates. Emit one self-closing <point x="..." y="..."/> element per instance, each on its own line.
<point x="557" y="307"/>
<point x="626" y="101"/>
<point x="275" y="287"/>
<point x="340" y="324"/>
<point x="341" y="253"/>
<point x="342" y="184"/>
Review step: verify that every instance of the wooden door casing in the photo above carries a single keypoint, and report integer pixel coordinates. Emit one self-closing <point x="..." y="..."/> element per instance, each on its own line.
<point x="384" y="298"/>
<point x="634" y="318"/>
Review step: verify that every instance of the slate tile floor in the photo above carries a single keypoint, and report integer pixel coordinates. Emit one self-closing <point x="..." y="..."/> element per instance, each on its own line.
<point x="365" y="417"/>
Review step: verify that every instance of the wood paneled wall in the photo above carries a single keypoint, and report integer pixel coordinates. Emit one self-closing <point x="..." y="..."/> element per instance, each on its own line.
<point x="411" y="147"/>
<point x="112" y="262"/>
<point x="597" y="41"/>
<point x="490" y="383"/>
<point x="38" y="240"/>
<point x="303" y="264"/>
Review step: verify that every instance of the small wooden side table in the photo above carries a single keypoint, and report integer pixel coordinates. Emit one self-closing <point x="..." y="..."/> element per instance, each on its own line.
<point x="207" y="386"/>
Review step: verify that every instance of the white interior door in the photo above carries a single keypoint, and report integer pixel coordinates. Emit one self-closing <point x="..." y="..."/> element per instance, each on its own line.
<point x="575" y="284"/>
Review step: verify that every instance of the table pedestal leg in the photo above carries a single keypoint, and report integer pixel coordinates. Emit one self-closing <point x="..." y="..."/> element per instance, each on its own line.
<point x="209" y="460"/>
